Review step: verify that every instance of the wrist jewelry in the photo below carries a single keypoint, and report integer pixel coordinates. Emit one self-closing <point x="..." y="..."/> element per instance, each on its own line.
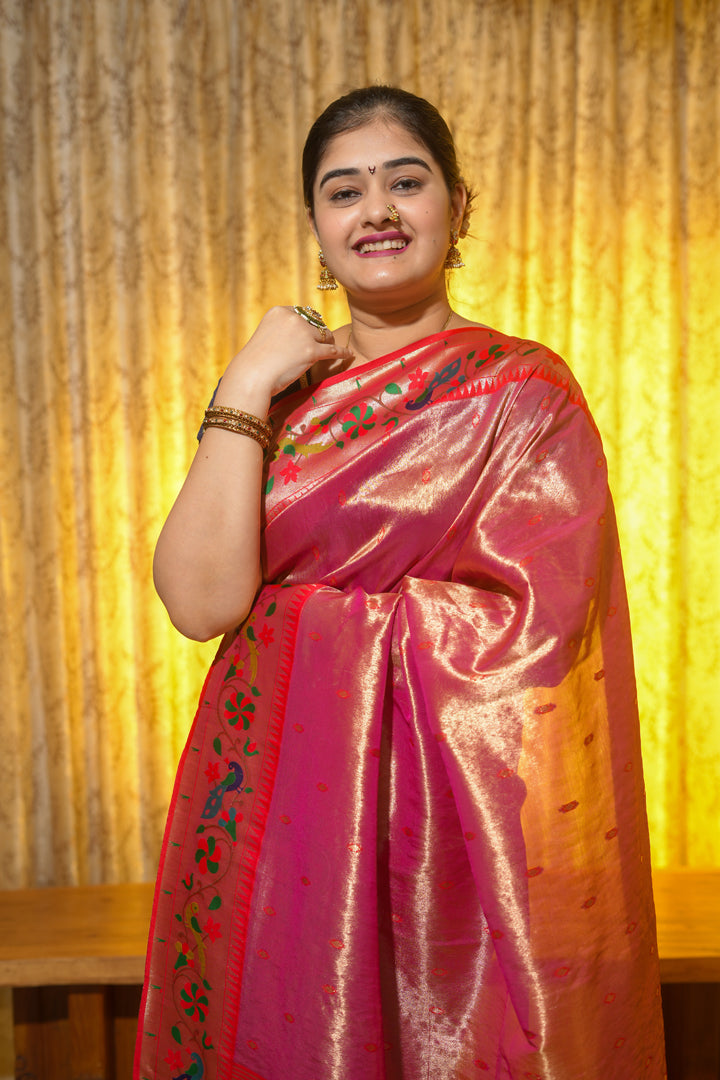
<point x="242" y="423"/>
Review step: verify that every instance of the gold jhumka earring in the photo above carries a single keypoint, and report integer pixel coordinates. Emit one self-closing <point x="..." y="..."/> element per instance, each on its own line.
<point x="327" y="281"/>
<point x="453" y="259"/>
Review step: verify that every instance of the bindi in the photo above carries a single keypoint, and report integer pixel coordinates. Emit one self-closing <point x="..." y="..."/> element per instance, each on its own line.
<point x="371" y="169"/>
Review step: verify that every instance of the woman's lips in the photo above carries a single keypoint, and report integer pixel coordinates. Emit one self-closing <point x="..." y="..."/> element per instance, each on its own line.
<point x="381" y="244"/>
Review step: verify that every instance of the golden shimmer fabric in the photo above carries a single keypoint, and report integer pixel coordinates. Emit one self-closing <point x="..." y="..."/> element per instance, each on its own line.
<point x="150" y="211"/>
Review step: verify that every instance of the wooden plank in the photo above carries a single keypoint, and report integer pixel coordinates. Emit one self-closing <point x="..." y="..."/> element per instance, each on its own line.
<point x="83" y="934"/>
<point x="98" y="933"/>
<point x="692" y="1030"/>
<point x="687" y="904"/>
<point x="42" y="1033"/>
<point x="125" y="1008"/>
<point x="90" y="1033"/>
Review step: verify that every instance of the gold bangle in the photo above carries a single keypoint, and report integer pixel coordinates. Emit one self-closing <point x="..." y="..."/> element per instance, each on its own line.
<point x="242" y="423"/>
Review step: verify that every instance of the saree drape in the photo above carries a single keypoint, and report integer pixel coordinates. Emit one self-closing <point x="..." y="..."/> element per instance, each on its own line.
<point x="408" y="834"/>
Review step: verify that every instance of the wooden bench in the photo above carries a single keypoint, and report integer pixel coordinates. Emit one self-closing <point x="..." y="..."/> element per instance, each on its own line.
<point x="75" y="959"/>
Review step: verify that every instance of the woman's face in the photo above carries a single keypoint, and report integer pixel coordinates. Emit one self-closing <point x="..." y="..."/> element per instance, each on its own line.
<point x="361" y="172"/>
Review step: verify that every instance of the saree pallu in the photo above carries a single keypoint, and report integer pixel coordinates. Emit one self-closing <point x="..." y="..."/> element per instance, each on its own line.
<point x="408" y="834"/>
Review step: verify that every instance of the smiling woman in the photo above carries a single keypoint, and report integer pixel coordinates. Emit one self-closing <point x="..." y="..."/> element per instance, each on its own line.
<point x="408" y="833"/>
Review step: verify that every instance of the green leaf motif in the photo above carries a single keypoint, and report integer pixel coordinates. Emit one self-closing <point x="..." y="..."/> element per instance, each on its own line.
<point x="271" y="610"/>
<point x="217" y="745"/>
<point x="215" y="903"/>
<point x="269" y="485"/>
<point x="392" y="388"/>
<point x="175" y="1032"/>
<point x="250" y="633"/>
<point x="289" y="449"/>
<point x="254" y="691"/>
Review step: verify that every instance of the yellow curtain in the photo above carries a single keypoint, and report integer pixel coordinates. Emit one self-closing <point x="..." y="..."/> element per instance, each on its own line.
<point x="150" y="210"/>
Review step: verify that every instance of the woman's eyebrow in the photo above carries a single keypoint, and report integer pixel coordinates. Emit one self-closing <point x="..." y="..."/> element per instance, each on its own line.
<point x="337" y="172"/>
<point x="396" y="163"/>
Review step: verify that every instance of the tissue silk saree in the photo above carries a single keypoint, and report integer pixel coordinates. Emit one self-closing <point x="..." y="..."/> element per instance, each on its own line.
<point x="408" y="835"/>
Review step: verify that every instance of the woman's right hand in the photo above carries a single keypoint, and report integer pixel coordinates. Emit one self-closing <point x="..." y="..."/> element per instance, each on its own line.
<point x="283" y="347"/>
<point x="207" y="559"/>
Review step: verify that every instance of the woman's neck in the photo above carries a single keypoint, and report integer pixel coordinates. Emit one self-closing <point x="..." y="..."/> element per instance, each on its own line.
<point x="373" y="334"/>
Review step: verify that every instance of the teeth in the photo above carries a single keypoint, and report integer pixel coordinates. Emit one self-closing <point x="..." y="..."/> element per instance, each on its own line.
<point x="382" y="245"/>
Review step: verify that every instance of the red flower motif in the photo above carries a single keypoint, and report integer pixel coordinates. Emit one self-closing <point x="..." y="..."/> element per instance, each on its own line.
<point x="207" y="855"/>
<point x="290" y="472"/>
<point x="174" y="1059"/>
<point x="417" y="379"/>
<point x="357" y="422"/>
<point x="212" y="929"/>
<point x="213" y="771"/>
<point x="267" y="635"/>
<point x="239" y="707"/>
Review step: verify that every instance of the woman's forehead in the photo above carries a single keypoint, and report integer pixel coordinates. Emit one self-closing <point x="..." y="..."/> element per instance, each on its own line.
<point x="376" y="142"/>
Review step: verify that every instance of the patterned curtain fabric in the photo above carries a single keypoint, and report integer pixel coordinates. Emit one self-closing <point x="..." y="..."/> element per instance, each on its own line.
<point x="150" y="210"/>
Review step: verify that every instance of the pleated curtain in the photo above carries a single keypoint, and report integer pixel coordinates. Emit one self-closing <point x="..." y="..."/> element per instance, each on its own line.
<point x="151" y="210"/>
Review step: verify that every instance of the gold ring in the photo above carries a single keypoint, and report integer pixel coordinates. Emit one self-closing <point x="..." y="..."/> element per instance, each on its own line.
<point x="323" y="334"/>
<point x="310" y="315"/>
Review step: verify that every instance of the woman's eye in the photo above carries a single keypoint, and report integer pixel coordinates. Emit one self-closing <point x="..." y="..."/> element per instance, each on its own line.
<point x="407" y="183"/>
<point x="343" y="195"/>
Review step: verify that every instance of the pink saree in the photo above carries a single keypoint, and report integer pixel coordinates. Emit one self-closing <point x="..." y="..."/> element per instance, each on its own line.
<point x="408" y="834"/>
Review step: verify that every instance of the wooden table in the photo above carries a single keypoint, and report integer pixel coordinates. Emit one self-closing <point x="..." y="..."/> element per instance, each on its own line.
<point x="75" y="958"/>
<point x="82" y="951"/>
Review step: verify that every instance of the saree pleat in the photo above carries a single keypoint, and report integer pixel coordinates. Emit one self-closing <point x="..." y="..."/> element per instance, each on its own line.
<point x="408" y="838"/>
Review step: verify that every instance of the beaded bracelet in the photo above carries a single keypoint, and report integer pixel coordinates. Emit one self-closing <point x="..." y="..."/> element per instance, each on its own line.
<point x="242" y="423"/>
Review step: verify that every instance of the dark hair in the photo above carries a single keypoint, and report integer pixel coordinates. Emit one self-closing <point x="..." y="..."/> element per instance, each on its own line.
<point x="415" y="114"/>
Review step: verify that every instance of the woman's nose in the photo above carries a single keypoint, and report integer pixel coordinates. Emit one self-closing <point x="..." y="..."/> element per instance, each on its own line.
<point x="377" y="213"/>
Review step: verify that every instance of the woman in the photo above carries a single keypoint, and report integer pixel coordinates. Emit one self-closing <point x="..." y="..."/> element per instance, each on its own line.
<point x="408" y="834"/>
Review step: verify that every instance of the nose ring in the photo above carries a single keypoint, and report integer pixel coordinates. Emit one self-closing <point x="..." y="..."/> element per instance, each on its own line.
<point x="394" y="214"/>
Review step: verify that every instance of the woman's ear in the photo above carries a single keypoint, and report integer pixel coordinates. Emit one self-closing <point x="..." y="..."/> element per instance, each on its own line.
<point x="311" y="223"/>
<point x="458" y="203"/>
